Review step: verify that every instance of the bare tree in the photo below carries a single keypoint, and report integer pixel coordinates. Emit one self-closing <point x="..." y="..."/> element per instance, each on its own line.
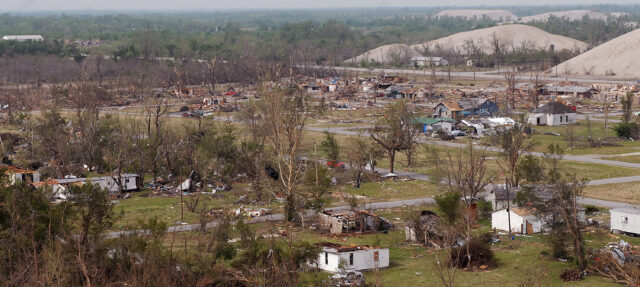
<point x="285" y="117"/>
<point x="118" y="152"/>
<point x="514" y="143"/>
<point x="392" y="128"/>
<point x="155" y="112"/>
<point x="362" y="153"/>
<point x="468" y="175"/>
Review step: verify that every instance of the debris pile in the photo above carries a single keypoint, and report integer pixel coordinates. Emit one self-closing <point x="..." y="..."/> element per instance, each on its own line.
<point x="623" y="252"/>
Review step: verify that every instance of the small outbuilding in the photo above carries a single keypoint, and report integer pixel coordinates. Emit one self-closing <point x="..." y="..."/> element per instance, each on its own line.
<point x="335" y="258"/>
<point x="625" y="220"/>
<point x="522" y="221"/>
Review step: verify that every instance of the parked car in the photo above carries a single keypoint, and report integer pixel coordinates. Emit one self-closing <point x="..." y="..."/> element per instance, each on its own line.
<point x="335" y="164"/>
<point x="458" y="133"/>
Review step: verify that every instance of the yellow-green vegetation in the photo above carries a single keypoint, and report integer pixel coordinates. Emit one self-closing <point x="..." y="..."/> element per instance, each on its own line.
<point x="142" y="205"/>
<point x="587" y="170"/>
<point x="581" y="133"/>
<point x="390" y="190"/>
<point x="629" y="158"/>
<point x="623" y="192"/>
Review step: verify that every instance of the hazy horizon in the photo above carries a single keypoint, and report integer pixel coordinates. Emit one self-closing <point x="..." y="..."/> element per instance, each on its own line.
<point x="188" y="5"/>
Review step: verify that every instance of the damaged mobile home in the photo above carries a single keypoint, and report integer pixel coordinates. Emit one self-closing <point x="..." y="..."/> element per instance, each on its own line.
<point x="357" y="221"/>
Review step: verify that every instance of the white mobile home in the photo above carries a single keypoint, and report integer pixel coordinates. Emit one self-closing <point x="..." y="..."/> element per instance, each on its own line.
<point x="625" y="220"/>
<point x="23" y="38"/>
<point x="335" y="258"/>
<point x="129" y="182"/>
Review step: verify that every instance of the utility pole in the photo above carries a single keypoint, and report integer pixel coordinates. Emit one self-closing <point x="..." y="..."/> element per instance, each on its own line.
<point x="181" y="198"/>
<point x="315" y="155"/>
<point x="506" y="186"/>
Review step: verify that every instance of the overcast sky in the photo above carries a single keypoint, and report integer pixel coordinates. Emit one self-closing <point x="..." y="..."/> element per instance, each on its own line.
<point x="58" y="5"/>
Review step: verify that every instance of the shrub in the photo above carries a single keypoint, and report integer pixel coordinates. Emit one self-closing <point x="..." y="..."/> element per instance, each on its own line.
<point x="558" y="238"/>
<point x="484" y="207"/>
<point x="590" y="209"/>
<point x="479" y="251"/>
<point x="627" y="130"/>
<point x="571" y="275"/>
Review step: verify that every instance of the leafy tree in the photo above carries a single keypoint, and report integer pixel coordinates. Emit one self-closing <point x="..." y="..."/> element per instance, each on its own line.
<point x="329" y="147"/>
<point x="627" y="107"/>
<point x="318" y="182"/>
<point x="530" y="169"/>
<point x="449" y="204"/>
<point x="94" y="210"/>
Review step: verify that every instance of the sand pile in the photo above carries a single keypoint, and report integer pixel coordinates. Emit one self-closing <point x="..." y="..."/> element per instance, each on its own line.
<point x="618" y="58"/>
<point x="387" y="54"/>
<point x="571" y="15"/>
<point x="496" y="15"/>
<point x="508" y="36"/>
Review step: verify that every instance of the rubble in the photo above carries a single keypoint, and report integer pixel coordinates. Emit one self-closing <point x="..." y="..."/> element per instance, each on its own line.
<point x="624" y="252"/>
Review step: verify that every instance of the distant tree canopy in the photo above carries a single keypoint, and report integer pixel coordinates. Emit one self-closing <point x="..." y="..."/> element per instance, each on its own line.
<point x="318" y="35"/>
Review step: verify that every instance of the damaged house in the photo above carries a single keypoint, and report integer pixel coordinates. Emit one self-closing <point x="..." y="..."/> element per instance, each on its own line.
<point x="465" y="108"/>
<point x="523" y="219"/>
<point x="424" y="228"/>
<point x="339" y="222"/>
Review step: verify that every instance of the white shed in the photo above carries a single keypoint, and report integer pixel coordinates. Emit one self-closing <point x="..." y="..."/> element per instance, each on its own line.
<point x="626" y="220"/>
<point x="522" y="221"/>
<point x="335" y="258"/>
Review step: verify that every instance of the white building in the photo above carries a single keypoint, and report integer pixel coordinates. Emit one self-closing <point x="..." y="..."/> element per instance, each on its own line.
<point x="335" y="258"/>
<point x="500" y="199"/>
<point x="522" y="221"/>
<point x="428" y="61"/>
<point x="23" y="38"/>
<point x="129" y="182"/>
<point x="625" y="220"/>
<point x="552" y="114"/>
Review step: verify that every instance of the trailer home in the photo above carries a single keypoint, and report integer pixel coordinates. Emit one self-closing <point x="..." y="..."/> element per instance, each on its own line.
<point x="336" y="258"/>
<point x="625" y="220"/>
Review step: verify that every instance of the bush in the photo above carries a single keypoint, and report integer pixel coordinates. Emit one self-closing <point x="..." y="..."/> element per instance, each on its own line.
<point x="590" y="209"/>
<point x="484" y="207"/>
<point x="479" y="251"/>
<point x="559" y="240"/>
<point x="571" y="275"/>
<point x="628" y="130"/>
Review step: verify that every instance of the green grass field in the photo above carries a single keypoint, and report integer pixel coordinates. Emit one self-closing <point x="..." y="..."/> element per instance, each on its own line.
<point x="413" y="265"/>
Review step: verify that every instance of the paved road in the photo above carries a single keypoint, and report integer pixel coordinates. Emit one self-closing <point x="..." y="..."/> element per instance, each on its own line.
<point x="585" y="159"/>
<point x="480" y="74"/>
<point x="280" y="217"/>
